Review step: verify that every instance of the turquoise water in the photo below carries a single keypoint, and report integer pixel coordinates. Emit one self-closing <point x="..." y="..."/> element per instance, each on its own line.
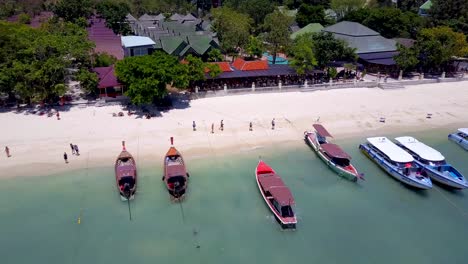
<point x="279" y="60"/>
<point x="224" y="219"/>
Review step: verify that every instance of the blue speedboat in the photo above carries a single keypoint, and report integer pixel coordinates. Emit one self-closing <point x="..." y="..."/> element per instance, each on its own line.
<point x="460" y="137"/>
<point x="433" y="162"/>
<point x="396" y="162"/>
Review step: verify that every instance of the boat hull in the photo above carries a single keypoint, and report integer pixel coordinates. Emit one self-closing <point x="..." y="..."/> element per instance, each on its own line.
<point x="445" y="178"/>
<point x="179" y="193"/>
<point x="459" y="140"/>
<point x="286" y="223"/>
<point x="310" y="138"/>
<point x="392" y="171"/>
<point x="118" y="175"/>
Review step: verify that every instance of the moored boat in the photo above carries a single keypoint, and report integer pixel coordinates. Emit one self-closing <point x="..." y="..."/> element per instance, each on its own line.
<point x="460" y="137"/>
<point x="396" y="162"/>
<point x="336" y="158"/>
<point x="126" y="174"/>
<point x="175" y="173"/>
<point x="276" y="194"/>
<point x="433" y="162"/>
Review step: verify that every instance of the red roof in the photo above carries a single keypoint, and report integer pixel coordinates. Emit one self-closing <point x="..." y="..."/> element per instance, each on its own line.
<point x="275" y="185"/>
<point x="321" y="130"/>
<point x="223" y="65"/>
<point x="243" y="65"/>
<point x="105" y="39"/>
<point x="106" y="77"/>
<point x="335" y="151"/>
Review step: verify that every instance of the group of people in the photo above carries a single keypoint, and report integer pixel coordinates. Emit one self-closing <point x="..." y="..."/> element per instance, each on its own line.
<point x="75" y="151"/>
<point x="221" y="126"/>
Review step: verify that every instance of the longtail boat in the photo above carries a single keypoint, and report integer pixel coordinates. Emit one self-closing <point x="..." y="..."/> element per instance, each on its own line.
<point x="276" y="195"/>
<point x="336" y="158"/>
<point x="126" y="174"/>
<point x="175" y="173"/>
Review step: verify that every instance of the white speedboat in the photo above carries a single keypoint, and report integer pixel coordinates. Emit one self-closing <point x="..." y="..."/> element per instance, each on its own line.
<point x="433" y="162"/>
<point x="396" y="162"/>
<point x="460" y="137"/>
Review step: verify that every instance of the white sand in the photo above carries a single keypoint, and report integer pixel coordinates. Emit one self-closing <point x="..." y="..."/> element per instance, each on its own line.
<point x="37" y="142"/>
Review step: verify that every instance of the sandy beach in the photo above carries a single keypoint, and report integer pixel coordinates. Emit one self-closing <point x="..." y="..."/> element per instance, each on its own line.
<point x="37" y="143"/>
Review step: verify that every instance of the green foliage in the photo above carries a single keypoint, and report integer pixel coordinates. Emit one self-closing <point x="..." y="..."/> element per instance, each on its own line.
<point x="71" y="10"/>
<point x="255" y="47"/>
<point x="146" y="77"/>
<point x="453" y="13"/>
<point x="33" y="62"/>
<point x="328" y="49"/>
<point x="293" y="4"/>
<point x="215" y="55"/>
<point x="343" y="7"/>
<point x="303" y="55"/>
<point x="24" y="19"/>
<point x="389" y="22"/>
<point x="103" y="60"/>
<point x="232" y="28"/>
<point x="436" y="46"/>
<point x="88" y="81"/>
<point x="115" y="15"/>
<point x="311" y="14"/>
<point x="410" y="5"/>
<point x="407" y="59"/>
<point x="214" y="69"/>
<point x="332" y="72"/>
<point x="256" y="9"/>
<point x="277" y="32"/>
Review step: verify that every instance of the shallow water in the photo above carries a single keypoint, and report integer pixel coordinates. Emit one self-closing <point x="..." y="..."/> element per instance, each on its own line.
<point x="224" y="219"/>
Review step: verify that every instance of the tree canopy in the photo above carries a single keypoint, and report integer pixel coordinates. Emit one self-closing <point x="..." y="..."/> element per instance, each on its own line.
<point x="33" y="62"/>
<point x="115" y="15"/>
<point x="303" y="54"/>
<point x="307" y="14"/>
<point x="277" y="32"/>
<point x="255" y="9"/>
<point x="328" y="49"/>
<point x="343" y="7"/>
<point x="146" y="77"/>
<point x="453" y="13"/>
<point x="232" y="28"/>
<point x="72" y="10"/>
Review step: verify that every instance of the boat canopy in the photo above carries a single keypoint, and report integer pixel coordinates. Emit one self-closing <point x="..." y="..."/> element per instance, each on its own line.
<point x="276" y="187"/>
<point x="421" y="149"/>
<point x="263" y="168"/>
<point x="125" y="170"/>
<point x="390" y="149"/>
<point x="175" y="170"/>
<point x="172" y="152"/>
<point x="463" y="130"/>
<point x="335" y="151"/>
<point x="321" y="130"/>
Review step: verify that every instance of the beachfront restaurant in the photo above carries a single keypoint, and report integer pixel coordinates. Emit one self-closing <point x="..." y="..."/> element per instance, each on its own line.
<point x="242" y="74"/>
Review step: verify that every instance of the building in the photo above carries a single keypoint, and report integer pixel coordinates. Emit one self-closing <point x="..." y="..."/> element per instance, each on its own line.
<point x="105" y="39"/>
<point x="178" y="35"/>
<point x="108" y="85"/>
<point x="137" y="46"/>
<point x="374" y="51"/>
<point x="310" y="28"/>
<point x="424" y="8"/>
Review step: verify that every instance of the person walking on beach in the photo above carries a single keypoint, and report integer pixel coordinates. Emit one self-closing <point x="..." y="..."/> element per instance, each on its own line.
<point x="212" y="128"/>
<point x="194" y="126"/>
<point x="65" y="157"/>
<point x="58" y="115"/>
<point x="250" y="127"/>
<point x="273" y="124"/>
<point x="77" y="151"/>
<point x="7" y="151"/>
<point x="72" y="148"/>
<point x="221" y="125"/>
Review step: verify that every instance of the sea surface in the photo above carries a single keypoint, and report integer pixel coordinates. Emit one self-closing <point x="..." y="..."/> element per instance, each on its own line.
<point x="77" y="217"/>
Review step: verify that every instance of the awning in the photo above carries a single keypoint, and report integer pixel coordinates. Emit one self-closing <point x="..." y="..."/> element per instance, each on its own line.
<point x="321" y="130"/>
<point x="335" y="151"/>
<point x="387" y="61"/>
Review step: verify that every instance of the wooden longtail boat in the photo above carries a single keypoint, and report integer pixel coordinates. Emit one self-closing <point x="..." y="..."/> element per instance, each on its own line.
<point x="126" y="174"/>
<point x="336" y="158"/>
<point x="175" y="173"/>
<point x="276" y="195"/>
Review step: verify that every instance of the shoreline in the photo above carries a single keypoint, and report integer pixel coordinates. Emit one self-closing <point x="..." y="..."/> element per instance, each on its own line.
<point x="37" y="143"/>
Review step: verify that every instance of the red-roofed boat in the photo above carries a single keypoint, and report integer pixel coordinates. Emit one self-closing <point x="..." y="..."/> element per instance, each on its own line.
<point x="276" y="195"/>
<point x="175" y="173"/>
<point x="336" y="158"/>
<point x="126" y="174"/>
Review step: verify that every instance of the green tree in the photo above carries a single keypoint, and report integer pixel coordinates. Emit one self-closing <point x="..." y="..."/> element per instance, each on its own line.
<point x="328" y="49"/>
<point x="24" y="19"/>
<point x="232" y="28"/>
<point x="332" y="72"/>
<point x="407" y="59"/>
<point x="255" y="47"/>
<point x="303" y="55"/>
<point x="115" y="15"/>
<point x="215" y="55"/>
<point x="146" y="77"/>
<point x="213" y="69"/>
<point x="256" y="9"/>
<point x="277" y="32"/>
<point x="293" y="4"/>
<point x="342" y="7"/>
<point x="453" y="13"/>
<point x="436" y="46"/>
<point x="410" y="5"/>
<point x="307" y="14"/>
<point x="103" y="60"/>
<point x="88" y="81"/>
<point x="71" y="10"/>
